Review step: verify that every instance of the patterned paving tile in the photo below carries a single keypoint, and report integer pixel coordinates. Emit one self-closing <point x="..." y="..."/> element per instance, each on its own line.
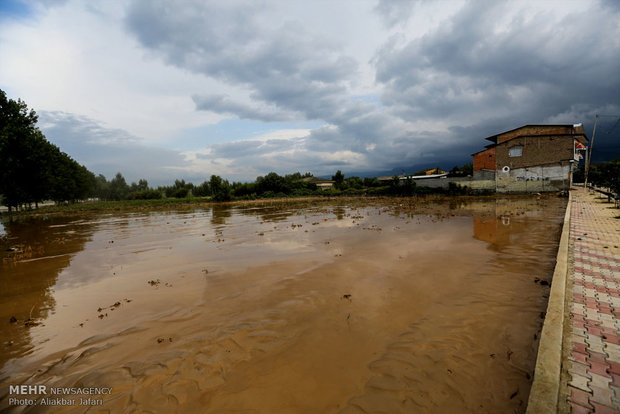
<point x="594" y="360"/>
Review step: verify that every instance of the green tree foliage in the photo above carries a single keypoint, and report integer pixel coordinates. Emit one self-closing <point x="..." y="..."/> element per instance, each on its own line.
<point x="244" y="190"/>
<point x="579" y="175"/>
<point x="354" y="182"/>
<point x="149" y="194"/>
<point x="203" y="190"/>
<point x="338" y="179"/>
<point x="274" y="183"/>
<point x="118" y="189"/>
<point x="468" y="169"/>
<point x="464" y="171"/>
<point x="606" y="175"/>
<point x="142" y="185"/>
<point x="102" y="188"/>
<point x="180" y="189"/>
<point x="220" y="189"/>
<point x="370" y="182"/>
<point x="31" y="168"/>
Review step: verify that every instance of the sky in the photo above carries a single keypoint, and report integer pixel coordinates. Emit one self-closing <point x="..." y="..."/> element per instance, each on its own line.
<point x="183" y="89"/>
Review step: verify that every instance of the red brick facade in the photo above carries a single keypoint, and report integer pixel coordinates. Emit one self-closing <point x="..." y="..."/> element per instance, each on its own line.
<point x="484" y="160"/>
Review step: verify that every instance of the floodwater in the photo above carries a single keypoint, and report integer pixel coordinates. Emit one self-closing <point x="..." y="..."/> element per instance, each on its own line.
<point x="346" y="306"/>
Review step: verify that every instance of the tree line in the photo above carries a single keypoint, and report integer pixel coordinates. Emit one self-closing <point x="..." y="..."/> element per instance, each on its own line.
<point x="604" y="174"/>
<point x="33" y="170"/>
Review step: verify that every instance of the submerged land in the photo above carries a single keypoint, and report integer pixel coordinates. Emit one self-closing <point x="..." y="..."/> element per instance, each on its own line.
<point x="332" y="305"/>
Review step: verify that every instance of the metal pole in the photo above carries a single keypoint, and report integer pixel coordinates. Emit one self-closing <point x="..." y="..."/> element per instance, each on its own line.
<point x="589" y="154"/>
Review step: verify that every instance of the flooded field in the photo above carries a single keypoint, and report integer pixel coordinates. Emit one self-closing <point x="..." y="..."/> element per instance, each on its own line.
<point x="345" y="306"/>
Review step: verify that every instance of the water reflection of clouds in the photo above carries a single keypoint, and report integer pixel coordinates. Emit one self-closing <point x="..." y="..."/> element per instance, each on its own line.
<point x="45" y="248"/>
<point x="289" y="245"/>
<point x="342" y="223"/>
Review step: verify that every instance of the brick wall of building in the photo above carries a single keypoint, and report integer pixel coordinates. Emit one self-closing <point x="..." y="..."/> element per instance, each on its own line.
<point x="539" y="150"/>
<point x="484" y="160"/>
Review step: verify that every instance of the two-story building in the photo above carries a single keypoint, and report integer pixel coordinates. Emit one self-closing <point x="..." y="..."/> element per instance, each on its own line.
<point x="532" y="158"/>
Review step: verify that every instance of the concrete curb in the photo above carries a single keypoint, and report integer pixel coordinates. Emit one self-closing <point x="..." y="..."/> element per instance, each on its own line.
<point x="546" y="386"/>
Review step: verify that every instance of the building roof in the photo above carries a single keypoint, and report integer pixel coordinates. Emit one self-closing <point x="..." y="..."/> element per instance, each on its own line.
<point x="412" y="177"/>
<point x="577" y="130"/>
<point x="487" y="147"/>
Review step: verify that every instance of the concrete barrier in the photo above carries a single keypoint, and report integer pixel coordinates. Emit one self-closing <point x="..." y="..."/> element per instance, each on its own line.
<point x="545" y="389"/>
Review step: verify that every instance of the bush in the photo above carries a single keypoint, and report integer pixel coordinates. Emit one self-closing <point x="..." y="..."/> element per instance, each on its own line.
<point x="145" y="195"/>
<point x="181" y="193"/>
<point x="223" y="194"/>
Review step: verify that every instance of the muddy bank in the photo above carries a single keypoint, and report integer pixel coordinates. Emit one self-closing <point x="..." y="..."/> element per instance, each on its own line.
<point x="388" y="306"/>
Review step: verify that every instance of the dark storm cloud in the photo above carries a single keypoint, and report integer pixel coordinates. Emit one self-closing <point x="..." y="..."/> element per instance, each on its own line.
<point x="480" y="72"/>
<point x="284" y="67"/>
<point x="279" y="62"/>
<point x="222" y="104"/>
<point x="108" y="151"/>
<point x="478" y="65"/>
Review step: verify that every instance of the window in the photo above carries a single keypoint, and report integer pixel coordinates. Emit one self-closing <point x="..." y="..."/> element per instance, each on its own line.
<point x="515" y="151"/>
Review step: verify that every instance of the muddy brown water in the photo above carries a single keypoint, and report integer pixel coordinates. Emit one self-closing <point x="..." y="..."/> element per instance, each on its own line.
<point x="349" y="306"/>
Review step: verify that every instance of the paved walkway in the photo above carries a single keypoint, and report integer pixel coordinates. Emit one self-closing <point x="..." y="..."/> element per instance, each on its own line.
<point x="593" y="300"/>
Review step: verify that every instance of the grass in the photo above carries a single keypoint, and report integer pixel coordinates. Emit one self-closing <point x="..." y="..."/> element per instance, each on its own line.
<point x="112" y="206"/>
<point x="198" y="202"/>
<point x="156" y="204"/>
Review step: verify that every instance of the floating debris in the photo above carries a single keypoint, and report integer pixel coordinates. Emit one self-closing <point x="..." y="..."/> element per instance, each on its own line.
<point x="13" y="319"/>
<point x="31" y="322"/>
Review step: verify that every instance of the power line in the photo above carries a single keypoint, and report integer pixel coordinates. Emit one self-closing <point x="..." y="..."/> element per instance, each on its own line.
<point x="613" y="127"/>
<point x="589" y="152"/>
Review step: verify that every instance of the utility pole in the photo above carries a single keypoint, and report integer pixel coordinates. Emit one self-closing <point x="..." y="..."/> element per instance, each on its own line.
<point x="589" y="154"/>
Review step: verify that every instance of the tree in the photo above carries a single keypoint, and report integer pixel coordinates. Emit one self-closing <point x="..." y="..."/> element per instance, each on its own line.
<point x="20" y="153"/>
<point x="102" y="187"/>
<point x="354" y="182"/>
<point x="272" y="182"/>
<point x="338" y="179"/>
<point x="203" y="190"/>
<point x="143" y="185"/>
<point x="608" y="175"/>
<point x="468" y="169"/>
<point x="118" y="187"/>
<point x="31" y="168"/>
<point x="220" y="189"/>
<point x="372" y="182"/>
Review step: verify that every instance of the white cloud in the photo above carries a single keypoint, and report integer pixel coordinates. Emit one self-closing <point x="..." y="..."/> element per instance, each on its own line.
<point x="384" y="84"/>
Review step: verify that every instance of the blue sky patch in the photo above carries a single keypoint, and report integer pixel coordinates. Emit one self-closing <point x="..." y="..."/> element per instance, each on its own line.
<point x="13" y="9"/>
<point x="230" y="130"/>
